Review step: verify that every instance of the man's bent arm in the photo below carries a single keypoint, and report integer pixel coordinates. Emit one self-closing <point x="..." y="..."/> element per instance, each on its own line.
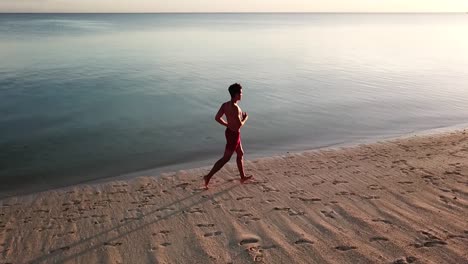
<point x="221" y="121"/>
<point x="245" y="120"/>
<point x="219" y="116"/>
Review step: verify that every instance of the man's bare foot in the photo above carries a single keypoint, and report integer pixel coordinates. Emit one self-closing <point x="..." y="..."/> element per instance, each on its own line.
<point x="206" y="182"/>
<point x="244" y="179"/>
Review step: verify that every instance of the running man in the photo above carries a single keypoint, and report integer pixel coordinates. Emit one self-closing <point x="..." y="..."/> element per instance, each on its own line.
<point x="235" y="120"/>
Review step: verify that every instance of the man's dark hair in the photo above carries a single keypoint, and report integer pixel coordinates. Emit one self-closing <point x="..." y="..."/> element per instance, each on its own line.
<point x="234" y="89"/>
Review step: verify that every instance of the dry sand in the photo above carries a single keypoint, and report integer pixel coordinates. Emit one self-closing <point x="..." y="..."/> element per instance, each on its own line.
<point x="400" y="201"/>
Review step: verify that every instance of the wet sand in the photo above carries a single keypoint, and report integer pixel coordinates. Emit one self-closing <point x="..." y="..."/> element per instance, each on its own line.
<point x="398" y="201"/>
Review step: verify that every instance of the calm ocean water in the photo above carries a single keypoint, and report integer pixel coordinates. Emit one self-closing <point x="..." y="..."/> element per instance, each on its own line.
<point x="88" y="96"/>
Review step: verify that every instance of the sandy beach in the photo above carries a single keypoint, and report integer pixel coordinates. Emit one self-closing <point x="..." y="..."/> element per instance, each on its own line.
<point x="398" y="201"/>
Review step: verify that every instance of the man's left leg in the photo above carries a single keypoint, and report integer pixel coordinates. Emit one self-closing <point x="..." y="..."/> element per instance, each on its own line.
<point x="240" y="163"/>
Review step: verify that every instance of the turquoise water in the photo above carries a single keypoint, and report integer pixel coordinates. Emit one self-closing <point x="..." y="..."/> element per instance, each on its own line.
<point x="89" y="96"/>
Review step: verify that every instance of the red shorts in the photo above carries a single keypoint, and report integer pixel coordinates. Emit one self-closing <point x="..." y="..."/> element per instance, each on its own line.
<point x="233" y="139"/>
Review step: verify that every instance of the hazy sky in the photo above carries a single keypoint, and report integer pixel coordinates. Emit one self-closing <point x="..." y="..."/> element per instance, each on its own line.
<point x="233" y="5"/>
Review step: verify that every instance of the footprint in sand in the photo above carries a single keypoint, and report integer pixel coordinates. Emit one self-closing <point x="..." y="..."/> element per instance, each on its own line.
<point x="451" y="236"/>
<point x="268" y="189"/>
<point x="127" y="219"/>
<point x="304" y="199"/>
<point x="373" y="239"/>
<point x="247" y="218"/>
<point x="112" y="244"/>
<point x="237" y="210"/>
<point x="281" y="208"/>
<point x="163" y="232"/>
<point x="98" y="222"/>
<point x="428" y="235"/>
<point x="59" y="249"/>
<point x="405" y="260"/>
<point x="445" y="190"/>
<point x="244" y="198"/>
<point x="248" y="241"/>
<point x="429" y="240"/>
<point x="375" y="187"/>
<point x="444" y="199"/>
<point x="205" y="225"/>
<point x="211" y="234"/>
<point x="303" y="241"/>
<point x="335" y="182"/>
<point x="244" y="215"/>
<point x="297" y="192"/>
<point x="382" y="221"/>
<point x="405" y="182"/>
<point x="216" y="204"/>
<point x="431" y="243"/>
<point x="345" y="193"/>
<point x="345" y="248"/>
<point x="256" y="253"/>
<point x="452" y="173"/>
<point x="25" y="220"/>
<point x="42" y="211"/>
<point x="198" y="190"/>
<point x="317" y="183"/>
<point x="195" y="211"/>
<point x="294" y="213"/>
<point x="328" y="214"/>
<point x="370" y="197"/>
<point x="463" y="182"/>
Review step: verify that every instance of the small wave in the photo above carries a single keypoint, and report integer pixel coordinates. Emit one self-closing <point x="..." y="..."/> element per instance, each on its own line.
<point x="50" y="26"/>
<point x="83" y="24"/>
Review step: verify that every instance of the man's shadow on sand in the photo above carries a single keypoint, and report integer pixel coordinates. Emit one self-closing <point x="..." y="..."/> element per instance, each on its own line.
<point x="140" y="224"/>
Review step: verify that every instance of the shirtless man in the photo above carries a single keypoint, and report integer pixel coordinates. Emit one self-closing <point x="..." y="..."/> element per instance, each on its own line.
<point x="235" y="120"/>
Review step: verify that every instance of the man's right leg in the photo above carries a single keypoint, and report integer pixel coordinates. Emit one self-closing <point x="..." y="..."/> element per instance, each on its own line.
<point x="218" y="165"/>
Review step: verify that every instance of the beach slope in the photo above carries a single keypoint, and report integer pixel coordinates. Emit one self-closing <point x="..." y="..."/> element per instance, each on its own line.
<point x="398" y="201"/>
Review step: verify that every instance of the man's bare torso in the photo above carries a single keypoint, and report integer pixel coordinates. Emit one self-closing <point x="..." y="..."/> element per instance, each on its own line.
<point x="233" y="114"/>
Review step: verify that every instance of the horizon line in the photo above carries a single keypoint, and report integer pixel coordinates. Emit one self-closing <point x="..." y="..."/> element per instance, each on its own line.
<point x="247" y="12"/>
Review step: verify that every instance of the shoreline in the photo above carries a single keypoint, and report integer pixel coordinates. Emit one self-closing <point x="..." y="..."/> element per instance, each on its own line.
<point x="207" y="163"/>
<point x="397" y="201"/>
